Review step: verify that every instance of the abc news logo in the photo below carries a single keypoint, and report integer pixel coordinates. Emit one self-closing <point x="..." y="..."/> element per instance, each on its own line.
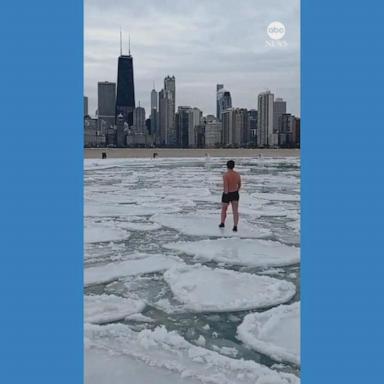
<point x="276" y="32"/>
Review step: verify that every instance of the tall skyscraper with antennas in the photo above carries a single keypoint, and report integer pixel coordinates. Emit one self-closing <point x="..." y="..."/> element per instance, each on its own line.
<point x="125" y="98"/>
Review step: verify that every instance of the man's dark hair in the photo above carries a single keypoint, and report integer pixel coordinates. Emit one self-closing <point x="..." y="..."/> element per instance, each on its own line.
<point x="230" y="164"/>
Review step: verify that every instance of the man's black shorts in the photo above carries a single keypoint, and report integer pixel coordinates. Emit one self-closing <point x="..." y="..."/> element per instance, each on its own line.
<point x="230" y="196"/>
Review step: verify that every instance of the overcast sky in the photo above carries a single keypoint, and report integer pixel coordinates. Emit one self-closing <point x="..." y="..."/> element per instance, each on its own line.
<point x="201" y="43"/>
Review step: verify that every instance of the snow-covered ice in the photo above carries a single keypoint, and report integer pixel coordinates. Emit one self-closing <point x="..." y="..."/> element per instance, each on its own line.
<point x="199" y="225"/>
<point x="276" y="196"/>
<point x="100" y="309"/>
<point x="246" y="252"/>
<point x="143" y="264"/>
<point x="275" y="333"/>
<point x="103" y="232"/>
<point x="142" y="226"/>
<point x="202" y="289"/>
<point x="160" y="348"/>
<point x="122" y="210"/>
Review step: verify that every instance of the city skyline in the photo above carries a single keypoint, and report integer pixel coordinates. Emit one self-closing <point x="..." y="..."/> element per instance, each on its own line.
<point x="173" y="46"/>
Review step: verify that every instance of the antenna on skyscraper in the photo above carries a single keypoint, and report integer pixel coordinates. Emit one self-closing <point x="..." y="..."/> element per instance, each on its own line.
<point x="129" y="44"/>
<point x="154" y="84"/>
<point x="121" y="43"/>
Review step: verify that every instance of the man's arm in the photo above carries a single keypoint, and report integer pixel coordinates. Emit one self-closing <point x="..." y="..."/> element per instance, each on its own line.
<point x="239" y="184"/>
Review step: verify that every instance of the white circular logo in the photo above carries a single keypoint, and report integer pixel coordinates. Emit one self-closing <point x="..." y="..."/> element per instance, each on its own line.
<point x="276" y="30"/>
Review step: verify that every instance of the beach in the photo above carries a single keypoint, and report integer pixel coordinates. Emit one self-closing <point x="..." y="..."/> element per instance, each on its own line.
<point x="121" y="153"/>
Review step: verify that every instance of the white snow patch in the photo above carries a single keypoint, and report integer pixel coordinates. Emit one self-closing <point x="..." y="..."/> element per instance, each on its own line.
<point x="105" y="366"/>
<point x="198" y="225"/>
<point x="144" y="264"/>
<point x="276" y="196"/>
<point x="228" y="351"/>
<point x="275" y="333"/>
<point x="142" y="226"/>
<point x="172" y="353"/>
<point x="201" y="341"/>
<point x="103" y="232"/>
<point x="121" y="210"/>
<point x="100" y="309"/>
<point x="202" y="289"/>
<point x="245" y="252"/>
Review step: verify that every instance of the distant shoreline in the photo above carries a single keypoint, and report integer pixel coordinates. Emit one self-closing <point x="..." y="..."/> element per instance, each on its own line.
<point x="121" y="153"/>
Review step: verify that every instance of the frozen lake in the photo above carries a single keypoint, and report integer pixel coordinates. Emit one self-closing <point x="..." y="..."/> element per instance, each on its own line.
<point x="169" y="297"/>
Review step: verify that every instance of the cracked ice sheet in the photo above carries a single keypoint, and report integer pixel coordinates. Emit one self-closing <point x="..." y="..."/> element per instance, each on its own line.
<point x="199" y="225"/>
<point x="137" y="265"/>
<point x="169" y="353"/>
<point x="100" y="309"/>
<point x="202" y="289"/>
<point x="275" y="333"/>
<point x="142" y="226"/>
<point x="274" y="196"/>
<point x="105" y="366"/>
<point x="103" y="232"/>
<point x="244" y="252"/>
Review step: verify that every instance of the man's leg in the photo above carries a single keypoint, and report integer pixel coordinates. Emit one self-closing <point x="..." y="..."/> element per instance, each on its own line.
<point x="235" y="209"/>
<point x="224" y="207"/>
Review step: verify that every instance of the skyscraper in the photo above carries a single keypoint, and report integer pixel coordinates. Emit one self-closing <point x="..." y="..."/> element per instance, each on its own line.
<point x="167" y="105"/>
<point x="252" y="126"/>
<point x="154" y="117"/>
<point x="106" y="98"/>
<point x="182" y="125"/>
<point x="219" y="87"/>
<point x="139" y="119"/>
<point x="212" y="131"/>
<point x="265" y="119"/>
<point x="279" y="108"/>
<point x="125" y="100"/>
<point x="153" y="98"/>
<point x="223" y="100"/>
<point x="85" y="106"/>
<point x="235" y="127"/>
<point x="286" y="128"/>
<point x="195" y="117"/>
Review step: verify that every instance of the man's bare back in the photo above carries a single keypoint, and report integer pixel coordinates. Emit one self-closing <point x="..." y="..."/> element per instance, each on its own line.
<point x="232" y="181"/>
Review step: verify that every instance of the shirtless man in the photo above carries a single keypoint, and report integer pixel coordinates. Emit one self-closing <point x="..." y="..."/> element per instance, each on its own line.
<point x="232" y="184"/>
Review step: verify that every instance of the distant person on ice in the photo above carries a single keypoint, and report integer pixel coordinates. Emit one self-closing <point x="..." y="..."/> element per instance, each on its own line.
<point x="232" y="184"/>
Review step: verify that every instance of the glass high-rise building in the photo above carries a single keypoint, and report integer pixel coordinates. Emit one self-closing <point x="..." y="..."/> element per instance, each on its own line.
<point x="219" y="88"/>
<point x="106" y="99"/>
<point x="265" y="119"/>
<point x="125" y="99"/>
<point x="167" y="112"/>
<point x="223" y="101"/>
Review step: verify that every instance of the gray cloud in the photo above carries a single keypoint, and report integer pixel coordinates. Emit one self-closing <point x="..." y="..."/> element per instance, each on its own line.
<point x="201" y="42"/>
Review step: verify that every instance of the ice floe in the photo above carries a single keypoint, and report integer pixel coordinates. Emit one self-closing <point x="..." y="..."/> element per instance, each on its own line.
<point x="245" y="252"/>
<point x="275" y="333"/>
<point x="276" y="196"/>
<point x="202" y="289"/>
<point x="103" y="232"/>
<point x="198" y="225"/>
<point x="121" y="210"/>
<point x="170" y="352"/>
<point x="141" y="226"/>
<point x="135" y="266"/>
<point x="100" y="309"/>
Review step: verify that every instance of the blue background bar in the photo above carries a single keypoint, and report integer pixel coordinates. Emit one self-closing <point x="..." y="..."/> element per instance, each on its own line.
<point x="342" y="192"/>
<point x="41" y="192"/>
<point x="41" y="205"/>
